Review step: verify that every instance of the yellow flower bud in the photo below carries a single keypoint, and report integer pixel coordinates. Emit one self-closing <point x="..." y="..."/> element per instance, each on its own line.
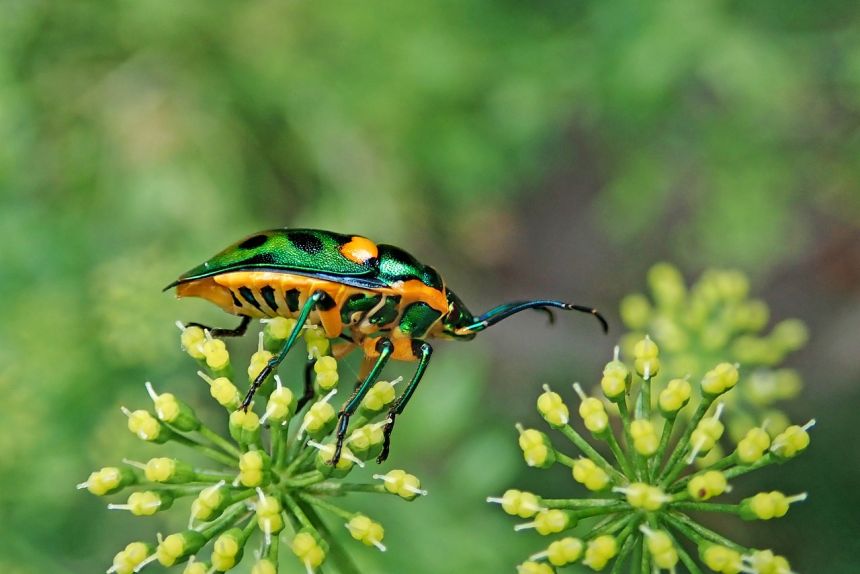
<point x="616" y="378"/>
<point x="594" y="415"/>
<point x="766" y="562"/>
<point x="600" y="551"/>
<point x="552" y="408"/>
<point x="644" y="496"/>
<point x="222" y="390"/>
<point x="258" y="362"/>
<point x="244" y="427"/>
<point x="767" y="505"/>
<point x="316" y="341"/>
<point x="645" y="439"/>
<point x="675" y="396"/>
<point x="380" y="395"/>
<point x="227" y="550"/>
<point x="264" y="566"/>
<point x="537" y="449"/>
<point x="146" y="427"/>
<point x="792" y="441"/>
<point x="168" y="470"/>
<point x="589" y="474"/>
<point x="532" y="567"/>
<point x="280" y="327"/>
<point x="720" y="379"/>
<point x="401" y="483"/>
<point x="253" y="468"/>
<point x="721" y="559"/>
<point x="215" y="352"/>
<point x="752" y="447"/>
<point x="564" y="551"/>
<point x="108" y="480"/>
<point x="178" y="547"/>
<point x="192" y="340"/>
<point x="366" y="531"/>
<point x="147" y="503"/>
<point x="326" y="372"/>
<point x="281" y="404"/>
<point x="128" y="559"/>
<point x="307" y="549"/>
<point x="518" y="503"/>
<point x="707" y="485"/>
<point x="320" y="418"/>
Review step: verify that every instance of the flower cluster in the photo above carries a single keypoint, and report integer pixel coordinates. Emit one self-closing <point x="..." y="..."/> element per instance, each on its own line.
<point x="716" y="320"/>
<point x="639" y="513"/>
<point x="273" y="476"/>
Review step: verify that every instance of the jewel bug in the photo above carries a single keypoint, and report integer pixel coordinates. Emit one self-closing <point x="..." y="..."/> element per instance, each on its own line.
<point x="374" y="297"/>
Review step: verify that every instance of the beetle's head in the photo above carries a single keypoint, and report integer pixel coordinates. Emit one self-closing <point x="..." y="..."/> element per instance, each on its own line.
<point x="459" y="323"/>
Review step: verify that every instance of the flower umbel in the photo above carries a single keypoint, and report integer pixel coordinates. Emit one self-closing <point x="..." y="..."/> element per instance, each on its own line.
<point x="272" y="478"/>
<point x="714" y="320"/>
<point x="640" y="501"/>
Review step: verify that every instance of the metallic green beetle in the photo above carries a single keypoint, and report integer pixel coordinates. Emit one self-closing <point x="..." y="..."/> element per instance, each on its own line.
<point x="374" y="297"/>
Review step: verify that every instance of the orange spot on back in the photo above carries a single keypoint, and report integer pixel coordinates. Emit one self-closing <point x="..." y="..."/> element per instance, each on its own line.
<point x="359" y="249"/>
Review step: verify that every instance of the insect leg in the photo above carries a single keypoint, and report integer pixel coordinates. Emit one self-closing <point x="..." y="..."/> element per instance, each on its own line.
<point x="237" y="332"/>
<point x="309" y="384"/>
<point x="423" y="351"/>
<point x="385" y="348"/>
<point x="288" y="344"/>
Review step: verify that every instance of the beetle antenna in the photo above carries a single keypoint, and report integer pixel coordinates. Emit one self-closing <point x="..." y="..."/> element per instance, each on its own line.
<point x="504" y="311"/>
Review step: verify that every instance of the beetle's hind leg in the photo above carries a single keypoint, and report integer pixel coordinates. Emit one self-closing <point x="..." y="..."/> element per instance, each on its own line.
<point x="422" y="350"/>
<point x="309" y="384"/>
<point x="236" y="332"/>
<point x="282" y="354"/>
<point x="385" y="348"/>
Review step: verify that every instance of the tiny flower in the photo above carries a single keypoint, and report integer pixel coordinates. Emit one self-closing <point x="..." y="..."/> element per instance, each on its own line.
<point x="531" y="567"/>
<point x="179" y="547"/>
<point x="264" y="475"/>
<point x="646" y="361"/>
<point x="168" y="471"/>
<point x="537" y="450"/>
<point x="366" y="531"/>
<point x="707" y="485"/>
<point x="127" y="560"/>
<point x="645" y="497"/>
<point x="552" y="408"/>
<point x="564" y="551"/>
<point x="325" y="369"/>
<point x="712" y="321"/>
<point x="518" y="503"/>
<point x="600" y="551"/>
<point x="616" y="378"/>
<point x="108" y="480"/>
<point x="380" y="395"/>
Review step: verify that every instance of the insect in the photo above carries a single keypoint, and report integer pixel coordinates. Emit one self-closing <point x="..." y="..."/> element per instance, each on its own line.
<point x="376" y="298"/>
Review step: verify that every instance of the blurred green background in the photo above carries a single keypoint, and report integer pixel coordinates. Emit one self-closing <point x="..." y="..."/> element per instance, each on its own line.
<point x="524" y="149"/>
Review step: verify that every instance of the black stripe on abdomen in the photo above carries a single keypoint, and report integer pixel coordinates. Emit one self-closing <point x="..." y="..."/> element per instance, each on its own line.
<point x="268" y="294"/>
<point x="248" y="296"/>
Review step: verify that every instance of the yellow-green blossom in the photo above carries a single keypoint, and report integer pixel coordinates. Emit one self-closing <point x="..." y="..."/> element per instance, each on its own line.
<point x="636" y="483"/>
<point x="271" y="476"/>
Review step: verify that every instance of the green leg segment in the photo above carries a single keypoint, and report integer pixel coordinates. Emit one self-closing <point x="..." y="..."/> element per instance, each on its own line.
<point x="423" y="351"/>
<point x="288" y="344"/>
<point x="384" y="347"/>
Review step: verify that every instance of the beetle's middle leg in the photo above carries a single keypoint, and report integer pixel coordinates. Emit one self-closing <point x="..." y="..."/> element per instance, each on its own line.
<point x="273" y="363"/>
<point x="236" y="332"/>
<point x="422" y="351"/>
<point x="385" y="348"/>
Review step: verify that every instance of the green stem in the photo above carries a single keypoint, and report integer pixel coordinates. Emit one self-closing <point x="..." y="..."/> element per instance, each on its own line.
<point x="677" y="460"/>
<point x="208" y="451"/>
<point x="706" y="507"/>
<point x="624" y="412"/>
<point x="767" y="459"/>
<point x="668" y="426"/>
<point x="333" y="488"/>
<point x="645" y="563"/>
<point x="595" y="456"/>
<point x="297" y="512"/>
<point x="609" y="437"/>
<point x="581" y="502"/>
<point x="305" y="479"/>
<point x="203" y="475"/>
<point x="220" y="441"/>
<point x="564" y="459"/>
<point x="682" y="522"/>
<point x="627" y="546"/>
<point x="300" y="460"/>
<point x="336" y="510"/>
<point x="610" y="526"/>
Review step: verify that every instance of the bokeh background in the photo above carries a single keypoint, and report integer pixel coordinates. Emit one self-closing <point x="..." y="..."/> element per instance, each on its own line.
<point x="524" y="149"/>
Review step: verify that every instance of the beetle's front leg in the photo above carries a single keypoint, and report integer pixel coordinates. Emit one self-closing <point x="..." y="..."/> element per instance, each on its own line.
<point x="422" y="350"/>
<point x="385" y="348"/>
<point x="236" y="332"/>
<point x="273" y="363"/>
